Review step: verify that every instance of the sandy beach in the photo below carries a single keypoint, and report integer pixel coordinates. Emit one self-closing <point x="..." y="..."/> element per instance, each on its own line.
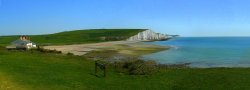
<point x="124" y="47"/>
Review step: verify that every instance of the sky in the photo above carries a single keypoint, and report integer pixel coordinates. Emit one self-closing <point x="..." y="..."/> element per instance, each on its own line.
<point x="182" y="17"/>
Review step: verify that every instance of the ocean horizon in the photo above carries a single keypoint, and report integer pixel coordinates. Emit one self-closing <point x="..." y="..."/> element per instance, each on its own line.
<point x="205" y="52"/>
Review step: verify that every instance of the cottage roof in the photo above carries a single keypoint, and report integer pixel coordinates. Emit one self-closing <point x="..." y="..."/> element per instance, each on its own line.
<point x="21" y="42"/>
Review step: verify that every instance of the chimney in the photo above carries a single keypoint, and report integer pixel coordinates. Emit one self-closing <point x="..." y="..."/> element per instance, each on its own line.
<point x="21" y="37"/>
<point x="24" y="38"/>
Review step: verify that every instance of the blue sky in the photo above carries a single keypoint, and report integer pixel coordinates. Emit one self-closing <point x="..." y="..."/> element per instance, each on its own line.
<point x="183" y="17"/>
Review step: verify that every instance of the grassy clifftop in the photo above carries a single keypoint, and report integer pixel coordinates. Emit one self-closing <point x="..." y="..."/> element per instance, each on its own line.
<point x="78" y="36"/>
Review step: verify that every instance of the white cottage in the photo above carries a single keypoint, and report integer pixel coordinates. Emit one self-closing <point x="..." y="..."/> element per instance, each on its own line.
<point x="22" y="43"/>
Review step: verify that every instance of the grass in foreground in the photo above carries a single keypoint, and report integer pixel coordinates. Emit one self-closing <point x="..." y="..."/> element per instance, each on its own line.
<point x="38" y="71"/>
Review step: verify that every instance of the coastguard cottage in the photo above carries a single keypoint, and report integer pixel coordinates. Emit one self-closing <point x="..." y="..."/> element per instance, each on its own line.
<point x="23" y="43"/>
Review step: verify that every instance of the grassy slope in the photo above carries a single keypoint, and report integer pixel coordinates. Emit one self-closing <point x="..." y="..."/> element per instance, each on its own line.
<point x="77" y="36"/>
<point x="37" y="71"/>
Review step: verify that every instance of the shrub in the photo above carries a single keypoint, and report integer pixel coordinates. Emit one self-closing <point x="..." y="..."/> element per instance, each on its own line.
<point x="70" y="54"/>
<point x="136" y="67"/>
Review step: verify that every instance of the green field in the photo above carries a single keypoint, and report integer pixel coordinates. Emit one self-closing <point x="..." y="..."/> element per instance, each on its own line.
<point x="77" y="36"/>
<point x="41" y="71"/>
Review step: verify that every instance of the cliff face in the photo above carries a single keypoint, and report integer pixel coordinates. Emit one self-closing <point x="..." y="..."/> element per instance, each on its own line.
<point x="148" y="35"/>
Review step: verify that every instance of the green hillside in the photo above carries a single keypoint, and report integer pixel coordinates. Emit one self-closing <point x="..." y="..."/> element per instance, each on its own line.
<point x="78" y="36"/>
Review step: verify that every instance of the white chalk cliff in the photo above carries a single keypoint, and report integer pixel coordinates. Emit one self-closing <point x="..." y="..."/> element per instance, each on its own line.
<point x="148" y="35"/>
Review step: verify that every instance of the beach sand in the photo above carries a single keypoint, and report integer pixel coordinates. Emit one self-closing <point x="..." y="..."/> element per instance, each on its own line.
<point x="123" y="47"/>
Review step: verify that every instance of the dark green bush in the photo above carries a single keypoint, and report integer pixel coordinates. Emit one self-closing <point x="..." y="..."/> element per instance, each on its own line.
<point x="70" y="54"/>
<point x="136" y="67"/>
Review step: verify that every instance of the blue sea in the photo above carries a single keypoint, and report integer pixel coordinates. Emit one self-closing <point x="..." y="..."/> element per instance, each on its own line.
<point x="205" y="52"/>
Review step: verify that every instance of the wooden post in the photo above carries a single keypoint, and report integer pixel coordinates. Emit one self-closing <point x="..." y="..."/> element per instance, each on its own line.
<point x="96" y="68"/>
<point x="104" y="70"/>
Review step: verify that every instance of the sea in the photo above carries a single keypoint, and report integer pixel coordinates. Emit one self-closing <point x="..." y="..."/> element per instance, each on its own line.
<point x="204" y="52"/>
